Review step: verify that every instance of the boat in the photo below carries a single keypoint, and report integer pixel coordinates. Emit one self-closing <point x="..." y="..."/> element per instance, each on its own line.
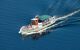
<point x="40" y="24"/>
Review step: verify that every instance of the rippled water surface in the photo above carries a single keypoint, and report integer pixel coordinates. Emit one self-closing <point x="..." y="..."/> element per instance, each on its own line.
<point x="16" y="13"/>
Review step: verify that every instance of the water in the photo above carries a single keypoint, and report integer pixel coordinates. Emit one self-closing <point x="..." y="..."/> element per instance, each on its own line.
<point x="16" y="13"/>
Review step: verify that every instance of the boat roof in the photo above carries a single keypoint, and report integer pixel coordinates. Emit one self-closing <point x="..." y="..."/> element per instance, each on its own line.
<point x="44" y="17"/>
<point x="34" y="19"/>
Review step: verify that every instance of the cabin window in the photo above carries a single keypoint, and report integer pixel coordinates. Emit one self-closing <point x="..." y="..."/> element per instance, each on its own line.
<point x="40" y="21"/>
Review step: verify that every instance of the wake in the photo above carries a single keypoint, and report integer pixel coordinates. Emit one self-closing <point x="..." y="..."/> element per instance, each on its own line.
<point x="68" y="15"/>
<point x="64" y="17"/>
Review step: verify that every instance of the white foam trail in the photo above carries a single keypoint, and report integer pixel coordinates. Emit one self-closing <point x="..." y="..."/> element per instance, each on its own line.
<point x="63" y="17"/>
<point x="55" y="24"/>
<point x="66" y="16"/>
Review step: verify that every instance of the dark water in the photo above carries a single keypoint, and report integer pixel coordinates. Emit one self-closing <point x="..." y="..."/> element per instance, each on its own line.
<point x="16" y="13"/>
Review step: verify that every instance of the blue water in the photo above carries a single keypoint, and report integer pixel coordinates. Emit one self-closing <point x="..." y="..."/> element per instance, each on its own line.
<point x="16" y="13"/>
